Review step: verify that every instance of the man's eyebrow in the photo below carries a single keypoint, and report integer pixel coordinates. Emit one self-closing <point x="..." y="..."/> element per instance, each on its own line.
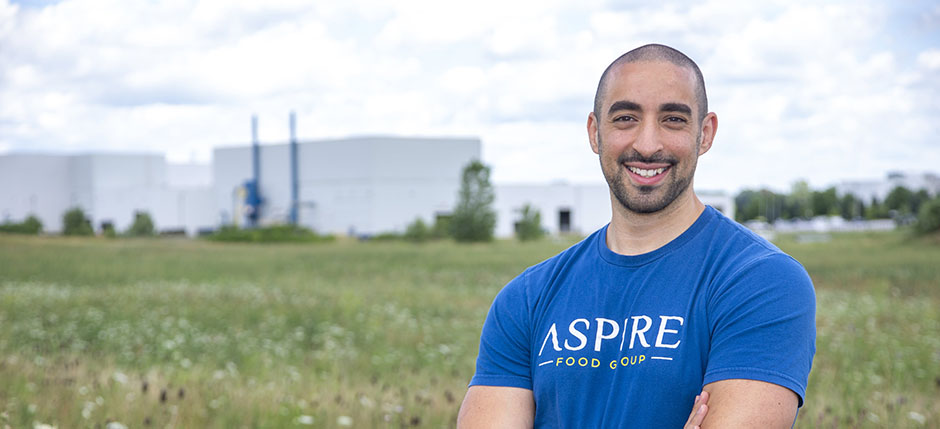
<point x="676" y="107"/>
<point x="623" y="105"/>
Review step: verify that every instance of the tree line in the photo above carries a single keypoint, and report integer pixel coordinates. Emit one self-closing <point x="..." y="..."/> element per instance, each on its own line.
<point x="906" y="206"/>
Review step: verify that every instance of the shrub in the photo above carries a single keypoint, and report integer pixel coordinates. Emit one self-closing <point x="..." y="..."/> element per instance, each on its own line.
<point x="383" y="236"/>
<point x="74" y="222"/>
<point x="530" y="226"/>
<point x="441" y="228"/>
<point x="417" y="231"/>
<point x="107" y="230"/>
<point x="31" y="226"/>
<point x="268" y="234"/>
<point x="142" y="226"/>
<point x="928" y="218"/>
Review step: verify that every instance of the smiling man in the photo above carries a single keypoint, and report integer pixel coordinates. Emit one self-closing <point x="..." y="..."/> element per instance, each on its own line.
<point x="669" y="300"/>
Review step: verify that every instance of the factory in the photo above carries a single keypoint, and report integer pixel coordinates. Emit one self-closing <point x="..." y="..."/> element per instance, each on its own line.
<point x="357" y="186"/>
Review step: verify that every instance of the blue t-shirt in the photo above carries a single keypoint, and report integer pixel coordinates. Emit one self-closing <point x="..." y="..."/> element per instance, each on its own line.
<point x="608" y="340"/>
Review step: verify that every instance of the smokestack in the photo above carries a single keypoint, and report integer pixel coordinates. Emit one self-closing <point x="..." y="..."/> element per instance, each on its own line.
<point x="255" y="200"/>
<point x="293" y="169"/>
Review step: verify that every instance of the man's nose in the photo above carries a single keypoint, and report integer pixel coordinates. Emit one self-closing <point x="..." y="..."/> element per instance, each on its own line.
<point x="648" y="141"/>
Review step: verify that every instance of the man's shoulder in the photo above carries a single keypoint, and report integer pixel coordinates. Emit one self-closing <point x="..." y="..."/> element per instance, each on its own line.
<point x="729" y="233"/>
<point x="586" y="248"/>
<point x="744" y="257"/>
<point x="537" y="276"/>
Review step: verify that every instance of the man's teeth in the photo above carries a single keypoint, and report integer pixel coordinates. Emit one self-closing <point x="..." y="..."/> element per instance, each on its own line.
<point x="647" y="173"/>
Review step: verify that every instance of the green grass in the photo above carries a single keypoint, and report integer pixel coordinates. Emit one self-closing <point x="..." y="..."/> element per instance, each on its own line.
<point x="383" y="334"/>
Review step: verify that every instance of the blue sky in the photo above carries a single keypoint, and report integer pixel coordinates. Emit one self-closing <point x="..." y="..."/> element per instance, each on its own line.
<point x="821" y="92"/>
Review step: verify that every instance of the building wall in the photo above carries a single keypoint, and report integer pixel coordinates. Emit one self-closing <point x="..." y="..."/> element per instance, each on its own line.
<point x="358" y="186"/>
<point x="35" y="184"/>
<point x="588" y="206"/>
<point x="108" y="187"/>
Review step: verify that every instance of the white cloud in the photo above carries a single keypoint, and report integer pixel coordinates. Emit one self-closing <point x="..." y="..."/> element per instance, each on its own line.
<point x="817" y="89"/>
<point x="929" y="59"/>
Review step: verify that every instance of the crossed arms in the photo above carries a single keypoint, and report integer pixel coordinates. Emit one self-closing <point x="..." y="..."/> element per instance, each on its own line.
<point x="733" y="403"/>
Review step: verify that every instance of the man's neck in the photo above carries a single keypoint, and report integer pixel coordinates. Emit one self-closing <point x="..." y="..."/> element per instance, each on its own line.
<point x="632" y="233"/>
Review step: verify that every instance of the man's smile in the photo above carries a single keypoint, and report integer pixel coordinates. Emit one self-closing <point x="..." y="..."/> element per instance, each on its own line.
<point x="645" y="174"/>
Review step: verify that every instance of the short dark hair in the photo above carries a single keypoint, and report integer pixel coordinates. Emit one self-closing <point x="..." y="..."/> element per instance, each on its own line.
<point x="655" y="52"/>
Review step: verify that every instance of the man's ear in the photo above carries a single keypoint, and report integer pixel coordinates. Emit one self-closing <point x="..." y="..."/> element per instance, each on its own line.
<point x="709" y="128"/>
<point x="592" y="131"/>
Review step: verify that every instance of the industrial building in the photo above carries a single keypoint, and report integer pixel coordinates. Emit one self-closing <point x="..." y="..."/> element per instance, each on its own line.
<point x="109" y="187"/>
<point x="357" y="186"/>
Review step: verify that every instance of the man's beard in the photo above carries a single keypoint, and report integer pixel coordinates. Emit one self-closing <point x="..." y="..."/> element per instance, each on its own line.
<point x="645" y="201"/>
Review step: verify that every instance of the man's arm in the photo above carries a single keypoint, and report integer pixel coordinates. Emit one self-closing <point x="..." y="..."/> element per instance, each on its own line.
<point x="738" y="403"/>
<point x="512" y="407"/>
<point x="496" y="407"/>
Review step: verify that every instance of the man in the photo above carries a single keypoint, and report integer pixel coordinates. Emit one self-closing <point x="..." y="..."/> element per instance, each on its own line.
<point x="670" y="299"/>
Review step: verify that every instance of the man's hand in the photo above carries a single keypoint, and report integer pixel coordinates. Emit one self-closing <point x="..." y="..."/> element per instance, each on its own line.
<point x="699" y="409"/>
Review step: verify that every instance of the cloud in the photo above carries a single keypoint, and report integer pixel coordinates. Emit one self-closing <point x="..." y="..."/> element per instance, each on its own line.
<point x="820" y="89"/>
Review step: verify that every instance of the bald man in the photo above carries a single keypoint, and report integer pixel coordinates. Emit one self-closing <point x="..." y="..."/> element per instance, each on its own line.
<point x="672" y="315"/>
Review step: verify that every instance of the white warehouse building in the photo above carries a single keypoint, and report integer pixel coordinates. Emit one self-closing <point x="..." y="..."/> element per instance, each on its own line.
<point x="356" y="186"/>
<point x="109" y="187"/>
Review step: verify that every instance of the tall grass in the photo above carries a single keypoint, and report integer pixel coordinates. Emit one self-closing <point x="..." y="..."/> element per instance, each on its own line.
<point x="157" y="333"/>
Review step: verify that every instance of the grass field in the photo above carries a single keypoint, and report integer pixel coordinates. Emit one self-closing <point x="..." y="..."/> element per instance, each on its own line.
<point x="180" y="333"/>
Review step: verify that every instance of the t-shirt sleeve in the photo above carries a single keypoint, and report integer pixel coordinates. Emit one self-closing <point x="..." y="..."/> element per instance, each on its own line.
<point x="764" y="325"/>
<point x="504" y="344"/>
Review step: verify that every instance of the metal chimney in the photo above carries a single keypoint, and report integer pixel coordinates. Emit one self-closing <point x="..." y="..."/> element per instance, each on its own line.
<point x="254" y="191"/>
<point x="293" y="169"/>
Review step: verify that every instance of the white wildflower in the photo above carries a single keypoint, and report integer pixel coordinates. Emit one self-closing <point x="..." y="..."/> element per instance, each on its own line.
<point x="344" y="421"/>
<point x="305" y="420"/>
<point x="917" y="417"/>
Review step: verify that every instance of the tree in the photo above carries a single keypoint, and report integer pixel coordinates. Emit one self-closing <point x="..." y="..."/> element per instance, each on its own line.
<point x="918" y="199"/>
<point x="825" y="203"/>
<point x="744" y="201"/>
<point x="876" y="210"/>
<point x="899" y="199"/>
<point x="474" y="218"/>
<point x="798" y="204"/>
<point x="142" y="226"/>
<point x="851" y="207"/>
<point x="75" y="223"/>
<point x="530" y="226"/>
<point x="763" y="204"/>
<point x="928" y="218"/>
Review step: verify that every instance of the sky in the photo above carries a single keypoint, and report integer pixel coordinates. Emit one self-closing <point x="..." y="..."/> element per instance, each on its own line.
<point x="803" y="90"/>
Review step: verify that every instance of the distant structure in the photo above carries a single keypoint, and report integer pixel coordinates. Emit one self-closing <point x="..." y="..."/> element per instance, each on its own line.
<point x="109" y="187"/>
<point x="572" y="208"/>
<point x="866" y="190"/>
<point x="358" y="186"/>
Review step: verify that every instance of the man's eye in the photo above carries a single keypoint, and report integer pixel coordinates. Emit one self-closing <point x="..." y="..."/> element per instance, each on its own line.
<point x="623" y="118"/>
<point x="675" y="119"/>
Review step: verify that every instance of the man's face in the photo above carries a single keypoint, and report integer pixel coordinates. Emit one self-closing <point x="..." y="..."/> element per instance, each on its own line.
<point x="647" y="134"/>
